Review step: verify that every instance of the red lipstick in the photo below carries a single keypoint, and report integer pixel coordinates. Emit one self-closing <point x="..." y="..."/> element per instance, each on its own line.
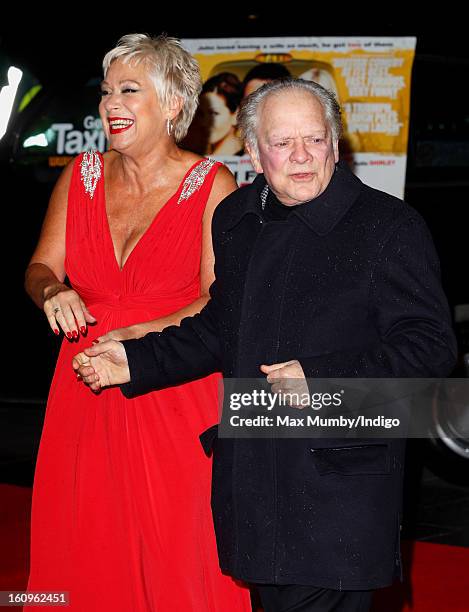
<point x="119" y="124"/>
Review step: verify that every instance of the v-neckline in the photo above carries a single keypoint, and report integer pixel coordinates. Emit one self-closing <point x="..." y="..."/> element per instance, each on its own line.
<point x="152" y="223"/>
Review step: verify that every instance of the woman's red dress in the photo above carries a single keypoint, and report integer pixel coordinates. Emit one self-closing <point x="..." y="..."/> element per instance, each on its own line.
<point x="121" y="506"/>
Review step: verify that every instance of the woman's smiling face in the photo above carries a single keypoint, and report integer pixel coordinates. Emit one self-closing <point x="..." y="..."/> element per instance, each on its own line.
<point x="130" y="110"/>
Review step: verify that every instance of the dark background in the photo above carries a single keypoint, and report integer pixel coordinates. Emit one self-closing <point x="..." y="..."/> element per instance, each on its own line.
<point x="61" y="49"/>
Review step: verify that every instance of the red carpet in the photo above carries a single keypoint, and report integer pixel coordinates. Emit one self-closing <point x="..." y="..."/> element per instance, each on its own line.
<point x="438" y="574"/>
<point x="15" y="504"/>
<point x="437" y="580"/>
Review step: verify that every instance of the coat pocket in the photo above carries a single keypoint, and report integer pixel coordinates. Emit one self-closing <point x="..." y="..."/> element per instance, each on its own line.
<point x="207" y="439"/>
<point x="352" y="460"/>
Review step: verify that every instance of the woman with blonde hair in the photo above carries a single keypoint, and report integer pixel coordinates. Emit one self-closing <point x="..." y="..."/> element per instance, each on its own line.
<point x="121" y="505"/>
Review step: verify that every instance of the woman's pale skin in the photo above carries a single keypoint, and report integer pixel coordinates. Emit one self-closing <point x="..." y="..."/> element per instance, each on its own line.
<point x="142" y="171"/>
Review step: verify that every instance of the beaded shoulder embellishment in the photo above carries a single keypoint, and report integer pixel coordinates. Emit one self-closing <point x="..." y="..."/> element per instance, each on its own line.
<point x="90" y="171"/>
<point x="195" y="179"/>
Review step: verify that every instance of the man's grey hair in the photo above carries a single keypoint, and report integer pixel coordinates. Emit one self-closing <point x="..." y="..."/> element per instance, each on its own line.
<point x="248" y="114"/>
<point x="173" y="70"/>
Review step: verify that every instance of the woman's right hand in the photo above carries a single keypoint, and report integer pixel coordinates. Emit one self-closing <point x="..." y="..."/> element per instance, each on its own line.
<point x="65" y="308"/>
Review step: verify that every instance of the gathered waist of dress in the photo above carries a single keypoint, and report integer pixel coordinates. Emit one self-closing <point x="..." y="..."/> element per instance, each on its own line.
<point x="138" y="301"/>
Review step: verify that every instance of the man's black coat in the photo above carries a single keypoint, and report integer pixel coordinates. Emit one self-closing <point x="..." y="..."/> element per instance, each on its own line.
<point x="349" y="285"/>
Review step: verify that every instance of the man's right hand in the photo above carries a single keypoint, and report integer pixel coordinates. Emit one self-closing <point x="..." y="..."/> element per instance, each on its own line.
<point x="103" y="365"/>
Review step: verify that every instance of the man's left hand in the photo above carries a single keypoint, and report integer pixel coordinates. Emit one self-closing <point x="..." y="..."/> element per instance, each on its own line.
<point x="287" y="378"/>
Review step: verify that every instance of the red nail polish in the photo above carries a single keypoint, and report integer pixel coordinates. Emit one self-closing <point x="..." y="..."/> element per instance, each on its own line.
<point x="95" y="341"/>
<point x="75" y="333"/>
<point x="56" y="332"/>
<point x="69" y="334"/>
<point x="83" y="329"/>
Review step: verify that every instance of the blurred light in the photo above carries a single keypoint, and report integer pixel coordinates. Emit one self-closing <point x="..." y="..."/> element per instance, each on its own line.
<point x="39" y="140"/>
<point x="28" y="96"/>
<point x="7" y="97"/>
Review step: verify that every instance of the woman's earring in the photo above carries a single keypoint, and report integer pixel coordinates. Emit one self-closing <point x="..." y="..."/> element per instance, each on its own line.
<point x="169" y="127"/>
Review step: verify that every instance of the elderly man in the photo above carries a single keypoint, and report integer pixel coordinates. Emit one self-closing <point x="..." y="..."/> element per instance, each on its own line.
<point x="317" y="275"/>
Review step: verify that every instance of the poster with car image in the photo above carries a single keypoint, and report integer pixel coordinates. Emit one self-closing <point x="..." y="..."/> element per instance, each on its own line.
<point x="370" y="76"/>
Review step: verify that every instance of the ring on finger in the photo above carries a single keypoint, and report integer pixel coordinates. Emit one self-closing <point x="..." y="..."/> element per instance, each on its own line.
<point x="56" y="310"/>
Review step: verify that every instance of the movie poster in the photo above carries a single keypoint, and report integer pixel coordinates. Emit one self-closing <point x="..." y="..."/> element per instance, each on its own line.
<point x="369" y="75"/>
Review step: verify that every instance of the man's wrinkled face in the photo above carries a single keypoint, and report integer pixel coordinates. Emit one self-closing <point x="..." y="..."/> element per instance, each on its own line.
<point x="296" y="152"/>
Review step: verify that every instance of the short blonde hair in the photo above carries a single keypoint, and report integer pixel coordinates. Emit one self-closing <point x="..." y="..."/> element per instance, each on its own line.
<point x="173" y="70"/>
